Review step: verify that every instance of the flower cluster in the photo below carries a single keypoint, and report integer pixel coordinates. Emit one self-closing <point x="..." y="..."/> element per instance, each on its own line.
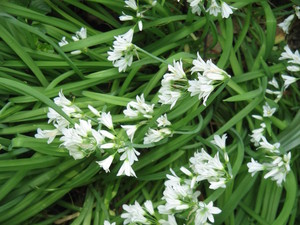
<point x="181" y="195"/>
<point x="139" y="10"/>
<point x="293" y="59"/>
<point x="273" y="161"/>
<point x="81" y="34"/>
<point x="175" y="83"/>
<point x="82" y="140"/>
<point x="163" y="130"/>
<point x="213" y="7"/>
<point x="276" y="165"/>
<point x="59" y="122"/>
<point x="138" y="214"/>
<point x="123" y="50"/>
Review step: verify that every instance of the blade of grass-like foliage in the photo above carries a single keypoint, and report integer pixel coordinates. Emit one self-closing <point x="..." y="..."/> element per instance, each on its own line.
<point x="110" y="99"/>
<point x="112" y="21"/>
<point x="289" y="138"/>
<point x="271" y="28"/>
<point x="245" y="96"/>
<point x="44" y="37"/>
<point x="291" y="192"/>
<point x="30" y="163"/>
<point x="239" y="116"/>
<point x="251" y="213"/>
<point x="83" y="217"/>
<point x="11" y="42"/>
<point x="18" y="10"/>
<point x="26" y="90"/>
<point x="242" y="189"/>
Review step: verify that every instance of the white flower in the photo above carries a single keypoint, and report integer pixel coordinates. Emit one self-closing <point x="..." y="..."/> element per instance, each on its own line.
<point x="106" y="120"/>
<point x="126" y="169"/>
<point x="108" y="145"/>
<point x="168" y="97"/>
<point x="163" y="121"/>
<point x="214" y="73"/>
<point x="209" y="69"/>
<point x="176" y="70"/>
<point x="177" y="196"/>
<point x="258" y="117"/>
<point x="81" y="33"/>
<point x="220" y="141"/>
<point x="47" y="134"/>
<point x="84" y="128"/>
<point x="131" y="4"/>
<point x="94" y="111"/>
<point x="257" y="134"/>
<point x="293" y="59"/>
<point x="226" y="10"/>
<point x="105" y="164"/>
<point x="288" y="80"/>
<point x="107" y="134"/>
<point x="286" y="23"/>
<point x="194" y="4"/>
<point x="274" y="82"/>
<point x="220" y="183"/>
<point x="139" y="107"/>
<point x="209" y="168"/>
<point x="134" y="214"/>
<point x="205" y="212"/>
<point x="195" y="7"/>
<point x="293" y="68"/>
<point x="129" y="153"/>
<point x="140" y="25"/>
<point x="130" y="130"/>
<point x="63" y="42"/>
<point x="199" y="64"/>
<point x="108" y="223"/>
<point x="121" y="54"/>
<point x="149" y="207"/>
<point x="173" y="84"/>
<point x="268" y="111"/>
<point x="254" y="167"/>
<point x="171" y="221"/>
<point x="82" y="140"/>
<point x="266" y="145"/>
<point x="125" y="17"/>
<point x="279" y="168"/>
<point x="214" y="8"/>
<point x="201" y="87"/>
<point x="153" y="136"/>
<point x="61" y="100"/>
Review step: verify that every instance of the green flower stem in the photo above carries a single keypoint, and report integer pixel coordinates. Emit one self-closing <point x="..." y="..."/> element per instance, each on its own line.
<point x="151" y="55"/>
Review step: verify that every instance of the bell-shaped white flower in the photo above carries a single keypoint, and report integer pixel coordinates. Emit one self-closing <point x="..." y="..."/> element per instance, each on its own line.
<point x="226" y="10"/>
<point x="288" y="80"/>
<point x="254" y="167"/>
<point x="126" y="169"/>
<point x="286" y="23"/>
<point x="220" y="141"/>
<point x="214" y="8"/>
<point x="105" y="164"/>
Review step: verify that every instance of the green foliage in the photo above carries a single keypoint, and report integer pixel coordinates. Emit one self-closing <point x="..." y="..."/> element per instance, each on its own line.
<point x="41" y="183"/>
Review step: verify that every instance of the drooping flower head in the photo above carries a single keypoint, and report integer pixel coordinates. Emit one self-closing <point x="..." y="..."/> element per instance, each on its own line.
<point x="123" y="50"/>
